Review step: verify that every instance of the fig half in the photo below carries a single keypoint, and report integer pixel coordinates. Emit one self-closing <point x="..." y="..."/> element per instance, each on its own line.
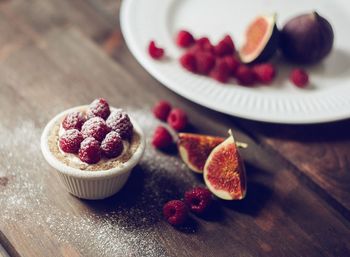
<point x="224" y="171"/>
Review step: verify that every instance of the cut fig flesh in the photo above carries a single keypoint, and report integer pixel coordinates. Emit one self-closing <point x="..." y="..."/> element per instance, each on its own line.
<point x="224" y="171"/>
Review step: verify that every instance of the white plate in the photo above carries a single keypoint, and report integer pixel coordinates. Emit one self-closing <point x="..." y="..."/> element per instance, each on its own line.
<point x="327" y="98"/>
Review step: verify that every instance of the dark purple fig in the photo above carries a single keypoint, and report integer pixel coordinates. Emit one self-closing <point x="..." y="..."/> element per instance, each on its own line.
<point x="307" y="39"/>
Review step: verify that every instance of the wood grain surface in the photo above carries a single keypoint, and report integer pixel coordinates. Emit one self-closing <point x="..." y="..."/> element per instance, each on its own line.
<point x="58" y="54"/>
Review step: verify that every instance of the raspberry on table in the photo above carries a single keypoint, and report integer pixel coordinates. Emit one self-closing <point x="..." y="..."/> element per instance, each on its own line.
<point x="154" y="51"/>
<point x="205" y="62"/>
<point x="99" y="108"/>
<point x="119" y="121"/>
<point x="112" y="146"/>
<point x="264" y="72"/>
<point x="95" y="127"/>
<point x="177" y="119"/>
<point x="175" y="212"/>
<point x="245" y="76"/>
<point x="299" y="77"/>
<point x="188" y="61"/>
<point x="162" y="138"/>
<point x="232" y="63"/>
<point x="74" y="120"/>
<point x="70" y="141"/>
<point x="221" y="71"/>
<point x="90" y="151"/>
<point x="225" y="47"/>
<point x="161" y="110"/>
<point x="198" y="199"/>
<point x="184" y="39"/>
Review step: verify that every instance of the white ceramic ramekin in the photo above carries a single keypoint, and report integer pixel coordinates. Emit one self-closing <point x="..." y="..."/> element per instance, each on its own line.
<point x="91" y="184"/>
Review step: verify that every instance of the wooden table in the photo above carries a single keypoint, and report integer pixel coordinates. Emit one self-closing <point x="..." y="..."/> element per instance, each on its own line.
<point x="62" y="53"/>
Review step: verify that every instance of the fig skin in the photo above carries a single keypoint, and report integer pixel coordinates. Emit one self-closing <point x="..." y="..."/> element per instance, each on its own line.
<point x="306" y="39"/>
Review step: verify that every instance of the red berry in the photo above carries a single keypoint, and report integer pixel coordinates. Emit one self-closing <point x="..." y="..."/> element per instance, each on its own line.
<point x="70" y="141"/>
<point x="184" y="39"/>
<point x="205" y="62"/>
<point x="120" y="122"/>
<point x="175" y="212"/>
<point x="154" y="51"/>
<point x="232" y="63"/>
<point x="73" y="120"/>
<point x="112" y="146"/>
<point x="299" y="77"/>
<point x="162" y="138"/>
<point x="177" y="119"/>
<point x="203" y="44"/>
<point x="188" y="61"/>
<point x="198" y="199"/>
<point x="225" y="47"/>
<point x="99" y="108"/>
<point x="90" y="151"/>
<point x="161" y="110"/>
<point x="95" y="127"/>
<point x="245" y="76"/>
<point x="264" y="73"/>
<point x="221" y="71"/>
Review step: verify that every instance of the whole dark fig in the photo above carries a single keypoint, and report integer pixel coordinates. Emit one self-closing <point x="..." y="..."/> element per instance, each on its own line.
<point x="307" y="39"/>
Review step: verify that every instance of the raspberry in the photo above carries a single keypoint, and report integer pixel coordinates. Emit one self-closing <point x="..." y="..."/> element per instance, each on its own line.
<point x="198" y="199"/>
<point x="70" y="141"/>
<point x="90" y="151"/>
<point x="112" y="146"/>
<point x="299" y="77"/>
<point x="205" y="62"/>
<point x="245" y="75"/>
<point x="120" y="122"/>
<point x="188" y="61"/>
<point x="95" y="127"/>
<point x="98" y="108"/>
<point x="161" y="110"/>
<point x="154" y="51"/>
<point x="225" y="47"/>
<point x="175" y="212"/>
<point x="264" y="73"/>
<point x="73" y="120"/>
<point x="221" y="71"/>
<point x="232" y="63"/>
<point x="184" y="39"/>
<point x="177" y="119"/>
<point x="203" y="44"/>
<point x="162" y="138"/>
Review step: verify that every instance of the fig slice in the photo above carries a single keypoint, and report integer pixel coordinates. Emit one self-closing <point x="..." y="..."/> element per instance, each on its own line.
<point x="224" y="171"/>
<point x="262" y="40"/>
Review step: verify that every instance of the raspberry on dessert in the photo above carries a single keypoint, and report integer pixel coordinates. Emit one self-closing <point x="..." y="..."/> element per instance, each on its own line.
<point x="119" y="121"/>
<point x="188" y="61"/>
<point x="175" y="212"/>
<point x="98" y="108"/>
<point x="90" y="151"/>
<point x="184" y="39"/>
<point x="221" y="71"/>
<point x="232" y="63"/>
<point x="245" y="76"/>
<point x="70" y="141"/>
<point x="95" y="127"/>
<point x="225" y="47"/>
<point x="154" y="51"/>
<point x="162" y="138"/>
<point x="299" y="77"/>
<point x="198" y="199"/>
<point x="205" y="62"/>
<point x="161" y="110"/>
<point x="203" y="44"/>
<point x="264" y="73"/>
<point x="73" y="120"/>
<point x="177" y="119"/>
<point x="112" y="146"/>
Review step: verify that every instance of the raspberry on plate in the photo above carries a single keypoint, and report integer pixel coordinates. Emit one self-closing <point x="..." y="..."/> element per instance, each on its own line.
<point x="112" y="146"/>
<point x="162" y="138"/>
<point x="189" y="62"/>
<point x="74" y="120"/>
<point x="119" y="121"/>
<point x="205" y="62"/>
<point x="90" y="151"/>
<point x="161" y="110"/>
<point x="177" y="119"/>
<point x="184" y="39"/>
<point x="245" y="76"/>
<point x="70" y="141"/>
<point x="225" y="47"/>
<point x="299" y="77"/>
<point x="175" y="212"/>
<point x="98" y="108"/>
<point x="221" y="71"/>
<point x="95" y="127"/>
<point x="154" y="51"/>
<point x="232" y="63"/>
<point x="264" y="72"/>
<point x="203" y="44"/>
<point x="198" y="199"/>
